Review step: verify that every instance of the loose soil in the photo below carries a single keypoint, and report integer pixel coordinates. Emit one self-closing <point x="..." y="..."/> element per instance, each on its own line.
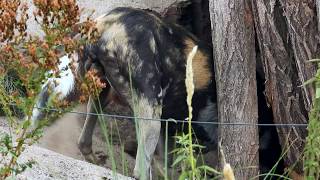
<point x="62" y="137"/>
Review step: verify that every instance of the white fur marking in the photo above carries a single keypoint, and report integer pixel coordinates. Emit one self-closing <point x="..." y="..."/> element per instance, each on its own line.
<point x="160" y="93"/>
<point x="152" y="45"/>
<point x="65" y="83"/>
<point x="61" y="86"/>
<point x="35" y="115"/>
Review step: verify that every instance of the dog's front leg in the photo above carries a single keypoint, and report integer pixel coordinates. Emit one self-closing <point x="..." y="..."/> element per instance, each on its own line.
<point x="85" y="139"/>
<point x="94" y="106"/>
<point x="148" y="136"/>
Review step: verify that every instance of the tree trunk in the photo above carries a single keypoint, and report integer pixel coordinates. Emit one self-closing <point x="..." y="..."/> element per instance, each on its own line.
<point x="288" y="37"/>
<point x="235" y="66"/>
<point x="318" y="13"/>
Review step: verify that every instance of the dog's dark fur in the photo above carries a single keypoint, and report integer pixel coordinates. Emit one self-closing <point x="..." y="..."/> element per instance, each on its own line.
<point x="144" y="60"/>
<point x="139" y="45"/>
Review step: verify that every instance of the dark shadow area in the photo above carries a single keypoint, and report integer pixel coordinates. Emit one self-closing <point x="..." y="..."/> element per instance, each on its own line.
<point x="194" y="16"/>
<point x="269" y="149"/>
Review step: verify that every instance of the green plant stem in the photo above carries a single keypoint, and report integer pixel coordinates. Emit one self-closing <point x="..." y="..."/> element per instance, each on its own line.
<point x="190" y="143"/>
<point x="312" y="147"/>
<point x="18" y="151"/>
<point x="190" y="90"/>
<point x="104" y="130"/>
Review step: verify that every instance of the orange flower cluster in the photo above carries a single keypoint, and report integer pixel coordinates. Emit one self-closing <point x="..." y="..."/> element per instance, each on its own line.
<point x="94" y="76"/>
<point x="63" y="12"/>
<point x="31" y="57"/>
<point x="9" y="24"/>
<point x="92" y="84"/>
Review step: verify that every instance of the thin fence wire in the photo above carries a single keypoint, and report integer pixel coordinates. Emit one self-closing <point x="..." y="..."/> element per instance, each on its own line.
<point x="118" y="117"/>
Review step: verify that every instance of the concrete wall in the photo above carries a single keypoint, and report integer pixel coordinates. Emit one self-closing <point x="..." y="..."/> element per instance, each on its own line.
<point x="50" y="165"/>
<point x="102" y="6"/>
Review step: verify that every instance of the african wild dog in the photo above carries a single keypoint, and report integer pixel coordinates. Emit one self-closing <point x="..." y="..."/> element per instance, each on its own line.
<point x="143" y="59"/>
<point x="155" y="53"/>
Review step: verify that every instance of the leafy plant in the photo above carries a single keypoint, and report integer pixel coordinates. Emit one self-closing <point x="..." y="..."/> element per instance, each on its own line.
<point x="312" y="147"/>
<point x="186" y="147"/>
<point x="32" y="60"/>
<point x="183" y="158"/>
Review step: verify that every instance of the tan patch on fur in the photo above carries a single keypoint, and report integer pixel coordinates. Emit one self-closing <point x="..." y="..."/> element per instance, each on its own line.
<point x="116" y="36"/>
<point x="200" y="66"/>
<point x="103" y="21"/>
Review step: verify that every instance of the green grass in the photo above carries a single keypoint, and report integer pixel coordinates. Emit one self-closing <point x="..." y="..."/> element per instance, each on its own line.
<point x="312" y="147"/>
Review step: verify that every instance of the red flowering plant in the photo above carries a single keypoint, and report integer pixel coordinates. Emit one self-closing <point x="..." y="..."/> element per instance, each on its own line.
<point x="29" y="59"/>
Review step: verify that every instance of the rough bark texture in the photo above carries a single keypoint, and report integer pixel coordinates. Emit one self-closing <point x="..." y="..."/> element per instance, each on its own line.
<point x="288" y="37"/>
<point x="235" y="66"/>
<point x="318" y="13"/>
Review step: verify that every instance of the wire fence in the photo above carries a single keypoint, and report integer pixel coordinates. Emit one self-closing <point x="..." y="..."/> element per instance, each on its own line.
<point x="119" y="117"/>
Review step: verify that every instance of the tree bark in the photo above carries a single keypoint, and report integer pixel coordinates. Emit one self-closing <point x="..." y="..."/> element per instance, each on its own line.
<point x="235" y="66"/>
<point x="301" y="19"/>
<point x="318" y="13"/>
<point x="288" y="37"/>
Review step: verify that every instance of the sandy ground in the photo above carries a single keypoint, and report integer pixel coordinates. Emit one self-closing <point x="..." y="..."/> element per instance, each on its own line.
<point x="62" y="137"/>
<point x="50" y="165"/>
